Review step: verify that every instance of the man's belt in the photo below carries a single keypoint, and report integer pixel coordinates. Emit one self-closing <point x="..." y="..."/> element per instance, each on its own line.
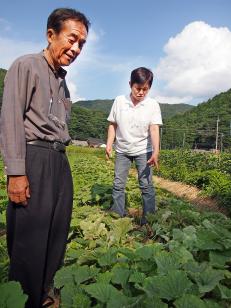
<point x="55" y="145"/>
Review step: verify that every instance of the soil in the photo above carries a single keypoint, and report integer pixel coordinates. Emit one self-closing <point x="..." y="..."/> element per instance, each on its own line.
<point x="188" y="193"/>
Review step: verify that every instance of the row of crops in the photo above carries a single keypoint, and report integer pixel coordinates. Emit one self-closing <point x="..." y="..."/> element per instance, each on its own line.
<point x="209" y="172"/>
<point x="110" y="262"/>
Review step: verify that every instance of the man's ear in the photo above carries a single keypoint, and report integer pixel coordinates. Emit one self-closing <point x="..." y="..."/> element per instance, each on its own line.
<point x="130" y="84"/>
<point x="50" y="35"/>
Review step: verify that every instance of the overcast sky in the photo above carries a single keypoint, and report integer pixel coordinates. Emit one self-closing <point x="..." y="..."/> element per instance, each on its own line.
<point x="187" y="44"/>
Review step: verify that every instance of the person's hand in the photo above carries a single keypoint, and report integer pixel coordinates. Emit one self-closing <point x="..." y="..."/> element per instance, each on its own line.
<point x="18" y="189"/>
<point x="108" y="151"/>
<point x="153" y="161"/>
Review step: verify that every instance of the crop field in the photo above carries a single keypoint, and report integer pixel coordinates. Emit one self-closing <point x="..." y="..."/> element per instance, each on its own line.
<point x="112" y="263"/>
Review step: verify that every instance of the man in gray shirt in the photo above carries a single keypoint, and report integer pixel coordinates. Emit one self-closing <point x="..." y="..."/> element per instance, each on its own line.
<point x="34" y="133"/>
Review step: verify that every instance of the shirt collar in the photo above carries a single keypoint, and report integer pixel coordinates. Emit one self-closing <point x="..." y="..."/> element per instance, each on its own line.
<point x="129" y="101"/>
<point x="58" y="73"/>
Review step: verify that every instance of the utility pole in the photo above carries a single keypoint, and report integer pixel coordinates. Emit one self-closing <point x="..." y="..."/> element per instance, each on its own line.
<point x="217" y="132"/>
<point x="183" y="140"/>
<point x="222" y="141"/>
<point x="160" y="137"/>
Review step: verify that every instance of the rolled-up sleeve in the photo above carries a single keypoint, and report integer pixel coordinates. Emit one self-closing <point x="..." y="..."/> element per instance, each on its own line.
<point x="18" y="88"/>
<point x="156" y="117"/>
<point x="112" y="115"/>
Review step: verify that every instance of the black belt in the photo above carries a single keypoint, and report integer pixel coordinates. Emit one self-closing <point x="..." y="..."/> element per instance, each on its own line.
<point x="57" y="146"/>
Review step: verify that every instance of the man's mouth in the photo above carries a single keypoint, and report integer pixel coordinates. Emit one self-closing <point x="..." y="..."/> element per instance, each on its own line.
<point x="70" y="58"/>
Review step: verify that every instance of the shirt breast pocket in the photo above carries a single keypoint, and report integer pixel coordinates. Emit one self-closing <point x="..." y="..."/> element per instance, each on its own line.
<point x="67" y="103"/>
<point x="142" y="126"/>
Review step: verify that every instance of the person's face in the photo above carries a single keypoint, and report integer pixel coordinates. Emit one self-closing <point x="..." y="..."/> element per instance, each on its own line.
<point x="139" y="91"/>
<point x="65" y="46"/>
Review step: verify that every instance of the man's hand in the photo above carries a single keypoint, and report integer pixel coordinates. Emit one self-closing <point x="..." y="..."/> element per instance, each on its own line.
<point x="108" y="151"/>
<point x="18" y="189"/>
<point x="153" y="161"/>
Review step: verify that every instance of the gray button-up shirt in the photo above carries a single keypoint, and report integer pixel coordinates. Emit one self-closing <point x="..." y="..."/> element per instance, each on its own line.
<point x="36" y="105"/>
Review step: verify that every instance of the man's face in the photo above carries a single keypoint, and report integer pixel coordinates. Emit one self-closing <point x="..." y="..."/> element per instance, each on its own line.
<point x="139" y="91"/>
<point x="65" y="46"/>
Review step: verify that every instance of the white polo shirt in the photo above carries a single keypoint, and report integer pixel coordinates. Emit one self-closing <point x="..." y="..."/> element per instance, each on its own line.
<point x="132" y="133"/>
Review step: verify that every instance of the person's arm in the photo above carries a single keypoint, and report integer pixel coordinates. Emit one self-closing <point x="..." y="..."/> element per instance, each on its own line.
<point x="110" y="139"/>
<point x="17" y="92"/>
<point x="155" y="139"/>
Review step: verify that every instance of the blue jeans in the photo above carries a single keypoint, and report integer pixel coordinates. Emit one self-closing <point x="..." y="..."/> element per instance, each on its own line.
<point x="122" y="166"/>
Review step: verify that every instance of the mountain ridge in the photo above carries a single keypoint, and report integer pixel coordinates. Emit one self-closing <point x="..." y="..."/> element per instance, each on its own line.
<point x="167" y="110"/>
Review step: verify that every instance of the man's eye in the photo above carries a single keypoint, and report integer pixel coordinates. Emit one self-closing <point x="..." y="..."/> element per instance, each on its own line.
<point x="71" y="41"/>
<point x="81" y="44"/>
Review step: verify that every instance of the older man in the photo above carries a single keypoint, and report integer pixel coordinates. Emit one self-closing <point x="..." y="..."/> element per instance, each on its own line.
<point x="34" y="134"/>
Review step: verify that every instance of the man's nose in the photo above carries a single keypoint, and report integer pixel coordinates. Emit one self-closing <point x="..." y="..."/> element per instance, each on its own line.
<point x="75" y="48"/>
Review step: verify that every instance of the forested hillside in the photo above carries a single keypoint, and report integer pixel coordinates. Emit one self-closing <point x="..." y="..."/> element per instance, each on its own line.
<point x="87" y="123"/>
<point x="167" y="110"/>
<point x="201" y="126"/>
<point x="206" y="126"/>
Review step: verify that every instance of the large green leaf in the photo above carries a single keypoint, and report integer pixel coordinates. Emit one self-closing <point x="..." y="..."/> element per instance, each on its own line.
<point x="64" y="276"/>
<point x="104" y="277"/>
<point x="219" y="258"/>
<point x="80" y="300"/>
<point x="223" y="235"/>
<point x="137" y="277"/>
<point x="169" y="287"/>
<point x="166" y="262"/>
<point x="101" y="291"/>
<point x="182" y="254"/>
<point x="122" y="301"/>
<point x="68" y="293"/>
<point x="153" y="302"/>
<point x="189" y="301"/>
<point x="208" y="240"/>
<point x="120" y="275"/>
<point x="208" y="279"/>
<point x="120" y="230"/>
<point x="12" y="295"/>
<point x="109" y="258"/>
<point x="83" y="273"/>
<point x="148" y="252"/>
<point x="194" y="267"/>
<point x="212" y="304"/>
<point x="187" y="236"/>
<point x="129" y="253"/>
<point x="225" y="292"/>
<point x="93" y="227"/>
<point x="74" y="274"/>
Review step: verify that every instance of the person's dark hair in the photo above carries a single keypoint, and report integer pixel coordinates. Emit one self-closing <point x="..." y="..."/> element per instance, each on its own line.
<point x="141" y="75"/>
<point x="59" y="16"/>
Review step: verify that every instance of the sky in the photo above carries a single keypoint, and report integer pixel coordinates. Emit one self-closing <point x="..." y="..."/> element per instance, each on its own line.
<point x="187" y="45"/>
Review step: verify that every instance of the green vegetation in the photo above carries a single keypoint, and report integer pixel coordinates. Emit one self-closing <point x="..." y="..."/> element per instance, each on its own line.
<point x="184" y="126"/>
<point x="207" y="171"/>
<point x="87" y="123"/>
<point x="89" y="118"/>
<point x="111" y="263"/>
<point x="2" y="76"/>
<point x="167" y="110"/>
<point x="197" y="127"/>
<point x="97" y="104"/>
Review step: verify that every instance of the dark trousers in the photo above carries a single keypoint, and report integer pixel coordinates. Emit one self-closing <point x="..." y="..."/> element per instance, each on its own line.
<point x="37" y="233"/>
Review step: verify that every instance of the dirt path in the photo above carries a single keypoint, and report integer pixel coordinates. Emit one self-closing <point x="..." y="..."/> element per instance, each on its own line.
<point x="190" y="194"/>
<point x="187" y="192"/>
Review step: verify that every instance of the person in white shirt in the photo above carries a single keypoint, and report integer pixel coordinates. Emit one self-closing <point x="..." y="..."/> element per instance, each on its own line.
<point x="134" y="123"/>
